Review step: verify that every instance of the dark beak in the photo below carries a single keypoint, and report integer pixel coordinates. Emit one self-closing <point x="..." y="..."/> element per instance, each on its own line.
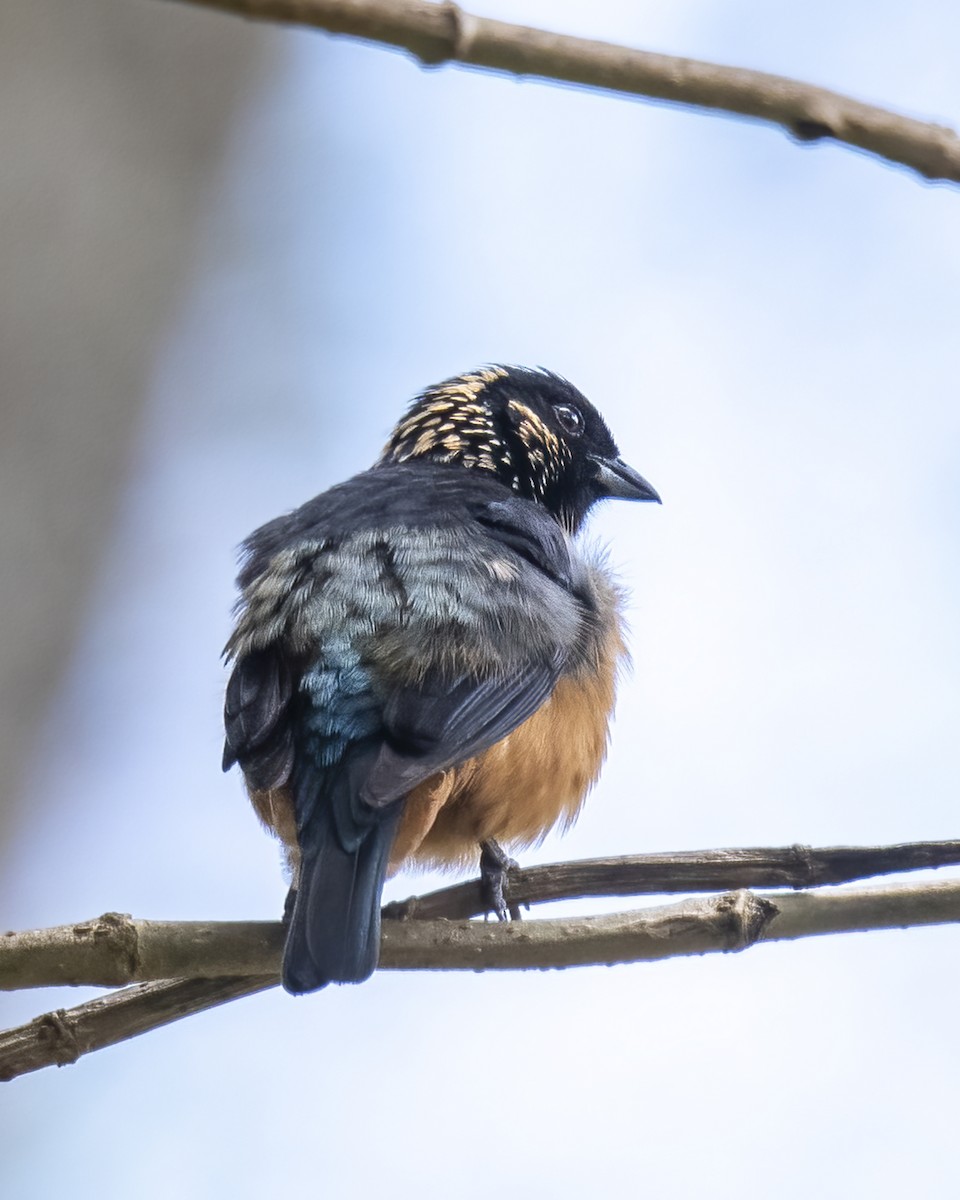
<point x="615" y="478"/>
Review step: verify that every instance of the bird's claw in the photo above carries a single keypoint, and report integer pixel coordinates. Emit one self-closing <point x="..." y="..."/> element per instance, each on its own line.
<point x="495" y="864"/>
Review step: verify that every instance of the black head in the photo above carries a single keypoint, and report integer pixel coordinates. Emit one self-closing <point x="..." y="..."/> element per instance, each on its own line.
<point x="532" y="429"/>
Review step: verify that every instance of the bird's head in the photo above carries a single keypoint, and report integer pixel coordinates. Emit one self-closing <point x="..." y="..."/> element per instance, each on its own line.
<point x="531" y="429"/>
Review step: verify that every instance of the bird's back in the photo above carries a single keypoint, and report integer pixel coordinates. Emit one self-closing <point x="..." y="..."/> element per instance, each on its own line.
<point x="423" y="661"/>
<point x="392" y="629"/>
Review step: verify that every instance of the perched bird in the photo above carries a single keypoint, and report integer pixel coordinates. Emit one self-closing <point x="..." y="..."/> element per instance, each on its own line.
<point x="424" y="661"/>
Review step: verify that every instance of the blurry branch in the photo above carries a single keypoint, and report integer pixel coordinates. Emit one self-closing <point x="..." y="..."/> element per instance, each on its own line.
<point x="193" y="966"/>
<point x="444" y="33"/>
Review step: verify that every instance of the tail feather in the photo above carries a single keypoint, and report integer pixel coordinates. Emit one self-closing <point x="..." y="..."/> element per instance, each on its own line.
<point x="334" y="931"/>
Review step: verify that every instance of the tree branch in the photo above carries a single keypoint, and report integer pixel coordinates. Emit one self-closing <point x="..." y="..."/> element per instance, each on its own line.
<point x="444" y="33"/>
<point x="112" y="950"/>
<point x="732" y="921"/>
<point x="63" y="1036"/>
<point x="686" y="871"/>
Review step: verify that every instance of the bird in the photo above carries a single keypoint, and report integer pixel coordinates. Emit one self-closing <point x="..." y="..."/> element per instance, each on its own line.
<point x="424" y="659"/>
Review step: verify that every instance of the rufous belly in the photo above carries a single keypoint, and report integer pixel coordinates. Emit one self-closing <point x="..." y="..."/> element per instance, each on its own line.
<point x="519" y="789"/>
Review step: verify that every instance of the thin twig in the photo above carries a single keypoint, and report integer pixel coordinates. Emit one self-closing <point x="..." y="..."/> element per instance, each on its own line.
<point x="728" y="922"/>
<point x="61" y="1037"/>
<point x="687" y="871"/>
<point x="444" y="33"/>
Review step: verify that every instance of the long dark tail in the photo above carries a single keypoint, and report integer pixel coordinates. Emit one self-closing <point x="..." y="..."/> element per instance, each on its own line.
<point x="334" y="931"/>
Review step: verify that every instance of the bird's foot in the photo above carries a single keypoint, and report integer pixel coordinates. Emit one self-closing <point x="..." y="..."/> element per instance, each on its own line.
<point x="495" y="864"/>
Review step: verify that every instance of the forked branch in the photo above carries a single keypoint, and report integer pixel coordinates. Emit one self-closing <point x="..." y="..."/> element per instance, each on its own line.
<point x="179" y="968"/>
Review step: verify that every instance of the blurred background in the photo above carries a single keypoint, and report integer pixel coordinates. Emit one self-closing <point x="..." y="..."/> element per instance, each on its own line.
<point x="229" y="256"/>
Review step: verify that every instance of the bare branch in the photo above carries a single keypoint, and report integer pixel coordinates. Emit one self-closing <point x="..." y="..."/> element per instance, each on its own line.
<point x="444" y="33"/>
<point x="687" y="871"/>
<point x="61" y="1037"/>
<point x="113" y="950"/>
<point x="731" y="921"/>
<point x="728" y="922"/>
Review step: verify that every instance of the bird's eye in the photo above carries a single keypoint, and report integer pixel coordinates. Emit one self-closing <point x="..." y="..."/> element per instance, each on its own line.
<point x="570" y="418"/>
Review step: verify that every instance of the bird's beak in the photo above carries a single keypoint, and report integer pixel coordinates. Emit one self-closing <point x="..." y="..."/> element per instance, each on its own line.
<point x="615" y="478"/>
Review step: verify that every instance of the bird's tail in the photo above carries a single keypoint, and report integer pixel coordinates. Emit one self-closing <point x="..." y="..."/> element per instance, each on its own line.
<point x="334" y="931"/>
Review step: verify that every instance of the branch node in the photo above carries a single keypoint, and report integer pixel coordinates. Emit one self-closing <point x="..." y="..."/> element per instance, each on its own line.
<point x="466" y="32"/>
<point x="458" y="42"/>
<point x="118" y="930"/>
<point x="55" y="1031"/>
<point x="746" y="916"/>
<point x="811" y="131"/>
<point x="803" y="857"/>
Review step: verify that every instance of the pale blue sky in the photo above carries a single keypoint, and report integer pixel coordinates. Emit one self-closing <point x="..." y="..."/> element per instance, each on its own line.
<point x="771" y="332"/>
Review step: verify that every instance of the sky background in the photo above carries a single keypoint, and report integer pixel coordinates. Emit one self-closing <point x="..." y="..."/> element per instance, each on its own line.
<point x="770" y="331"/>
